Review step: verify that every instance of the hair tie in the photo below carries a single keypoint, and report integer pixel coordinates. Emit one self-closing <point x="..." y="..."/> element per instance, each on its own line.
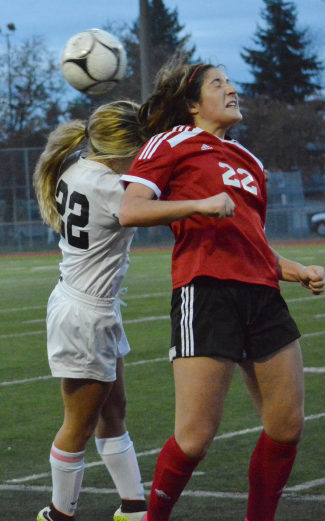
<point x="86" y="132"/>
<point x="194" y="72"/>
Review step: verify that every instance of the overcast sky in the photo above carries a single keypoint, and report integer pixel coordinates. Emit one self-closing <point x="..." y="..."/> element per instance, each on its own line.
<point x="219" y="29"/>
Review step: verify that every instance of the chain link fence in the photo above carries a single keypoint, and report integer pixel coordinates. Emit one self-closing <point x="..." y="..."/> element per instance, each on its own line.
<point x="21" y="227"/>
<point x="22" y="230"/>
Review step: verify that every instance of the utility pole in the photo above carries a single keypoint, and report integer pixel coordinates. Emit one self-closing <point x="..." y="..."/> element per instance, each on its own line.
<point x="144" y="50"/>
<point x="11" y="28"/>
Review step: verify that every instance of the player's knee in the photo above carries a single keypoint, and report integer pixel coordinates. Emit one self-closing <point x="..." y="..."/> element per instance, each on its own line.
<point x="196" y="443"/>
<point x="288" y="429"/>
<point x="79" y="434"/>
<point x="295" y="426"/>
<point x="194" y="450"/>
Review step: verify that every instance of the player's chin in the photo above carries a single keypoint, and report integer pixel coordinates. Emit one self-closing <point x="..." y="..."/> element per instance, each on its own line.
<point x="234" y="119"/>
<point x="238" y="116"/>
<point x="234" y="115"/>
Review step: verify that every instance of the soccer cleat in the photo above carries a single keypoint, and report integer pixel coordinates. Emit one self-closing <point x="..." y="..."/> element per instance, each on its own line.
<point x="44" y="515"/>
<point x="128" y="516"/>
<point x="47" y="515"/>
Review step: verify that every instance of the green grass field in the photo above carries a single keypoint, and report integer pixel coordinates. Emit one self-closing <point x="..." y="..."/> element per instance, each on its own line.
<point x="31" y="410"/>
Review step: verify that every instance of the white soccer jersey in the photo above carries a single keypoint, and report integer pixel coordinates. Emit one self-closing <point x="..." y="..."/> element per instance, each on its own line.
<point x="95" y="248"/>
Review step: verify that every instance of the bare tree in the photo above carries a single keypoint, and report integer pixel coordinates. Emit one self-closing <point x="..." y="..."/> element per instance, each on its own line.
<point x="37" y="89"/>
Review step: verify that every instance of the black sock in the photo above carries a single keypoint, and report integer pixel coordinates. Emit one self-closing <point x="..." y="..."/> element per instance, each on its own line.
<point x="58" y="516"/>
<point x="133" y="505"/>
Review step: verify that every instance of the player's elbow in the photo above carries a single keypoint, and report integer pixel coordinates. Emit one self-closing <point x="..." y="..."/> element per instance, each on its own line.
<point x="126" y="219"/>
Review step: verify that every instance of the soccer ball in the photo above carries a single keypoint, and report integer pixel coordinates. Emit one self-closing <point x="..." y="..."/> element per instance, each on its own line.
<point x="93" y="61"/>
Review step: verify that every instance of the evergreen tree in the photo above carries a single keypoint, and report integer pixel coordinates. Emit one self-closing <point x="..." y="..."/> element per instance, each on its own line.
<point x="283" y="65"/>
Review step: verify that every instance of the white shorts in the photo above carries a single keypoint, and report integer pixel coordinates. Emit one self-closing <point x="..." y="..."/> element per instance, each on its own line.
<point x="85" y="335"/>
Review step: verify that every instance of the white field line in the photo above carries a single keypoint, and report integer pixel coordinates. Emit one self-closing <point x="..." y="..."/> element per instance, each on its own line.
<point x="242" y="432"/>
<point x="189" y="493"/>
<point x="307" y="485"/>
<point x="310" y="370"/>
<point x="125" y="297"/>
<point x="131" y="321"/>
<point x="35" y="321"/>
<point x="90" y="465"/>
<point x="153" y="295"/>
<point x="314" y="370"/>
<point x="25" y="333"/>
<point x="240" y="495"/>
<point x="126" y="322"/>
<point x="47" y="377"/>
<point x="303" y="299"/>
<point x="226" y="435"/>
<point x="45" y="268"/>
<point x="146" y="295"/>
<point x="146" y="319"/>
<point x="316" y="333"/>
<point x="26" y="380"/>
<point x="27" y="308"/>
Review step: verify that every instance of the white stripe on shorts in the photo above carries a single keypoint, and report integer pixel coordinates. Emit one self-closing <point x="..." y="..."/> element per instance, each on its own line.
<point x="187" y="337"/>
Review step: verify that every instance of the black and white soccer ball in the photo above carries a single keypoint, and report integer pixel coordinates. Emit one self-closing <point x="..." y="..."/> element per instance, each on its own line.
<point x="93" y="61"/>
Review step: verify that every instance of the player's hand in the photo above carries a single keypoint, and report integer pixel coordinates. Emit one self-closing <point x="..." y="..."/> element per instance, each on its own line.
<point x="219" y="205"/>
<point x="313" y="278"/>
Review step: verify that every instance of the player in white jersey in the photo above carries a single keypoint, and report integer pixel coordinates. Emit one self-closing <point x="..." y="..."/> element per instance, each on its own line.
<point x="77" y="181"/>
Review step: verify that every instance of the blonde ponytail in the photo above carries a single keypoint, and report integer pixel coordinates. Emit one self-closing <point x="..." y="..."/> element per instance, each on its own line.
<point x="62" y="142"/>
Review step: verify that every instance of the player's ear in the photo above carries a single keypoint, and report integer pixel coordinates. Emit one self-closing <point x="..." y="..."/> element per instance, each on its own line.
<point x="193" y="108"/>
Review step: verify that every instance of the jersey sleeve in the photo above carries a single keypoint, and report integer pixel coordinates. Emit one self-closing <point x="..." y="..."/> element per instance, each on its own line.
<point x="152" y="167"/>
<point x="108" y="196"/>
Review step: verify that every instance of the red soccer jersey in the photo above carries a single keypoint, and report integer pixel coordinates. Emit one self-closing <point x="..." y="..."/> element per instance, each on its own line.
<point x="189" y="163"/>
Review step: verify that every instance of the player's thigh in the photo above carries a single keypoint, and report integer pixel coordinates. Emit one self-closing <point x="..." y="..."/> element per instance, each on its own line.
<point x="277" y="387"/>
<point x="201" y="384"/>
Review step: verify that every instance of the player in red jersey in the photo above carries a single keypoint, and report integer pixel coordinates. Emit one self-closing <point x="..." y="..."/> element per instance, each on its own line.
<point x="226" y="305"/>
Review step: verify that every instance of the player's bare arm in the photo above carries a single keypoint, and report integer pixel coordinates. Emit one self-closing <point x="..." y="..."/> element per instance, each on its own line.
<point x="140" y="208"/>
<point x="310" y="277"/>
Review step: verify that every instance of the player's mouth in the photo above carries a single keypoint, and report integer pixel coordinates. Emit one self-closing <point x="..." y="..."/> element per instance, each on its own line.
<point x="232" y="103"/>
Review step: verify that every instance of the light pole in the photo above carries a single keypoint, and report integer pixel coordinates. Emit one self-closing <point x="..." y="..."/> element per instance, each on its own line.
<point x="11" y="28"/>
<point x="144" y="49"/>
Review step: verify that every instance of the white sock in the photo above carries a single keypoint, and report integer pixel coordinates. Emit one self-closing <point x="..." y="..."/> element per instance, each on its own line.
<point x="67" y="473"/>
<point x="119" y="456"/>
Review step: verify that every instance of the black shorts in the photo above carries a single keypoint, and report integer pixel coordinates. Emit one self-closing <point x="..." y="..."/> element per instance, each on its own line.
<point x="229" y="319"/>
